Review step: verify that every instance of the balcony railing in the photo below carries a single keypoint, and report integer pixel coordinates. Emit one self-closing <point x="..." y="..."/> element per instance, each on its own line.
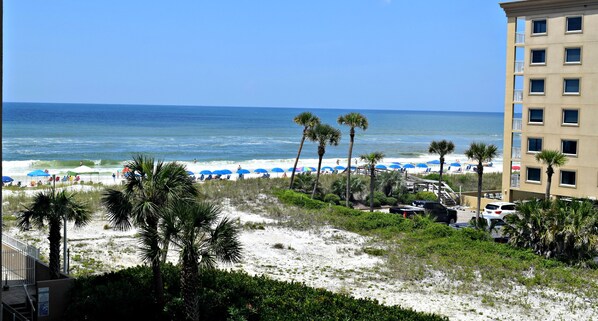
<point x="519" y="38"/>
<point x="515" y="180"/>
<point x="518" y="95"/>
<point x="516" y="153"/>
<point x="519" y="67"/>
<point x="517" y="124"/>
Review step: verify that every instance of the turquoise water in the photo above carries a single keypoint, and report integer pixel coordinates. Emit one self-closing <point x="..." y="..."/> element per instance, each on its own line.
<point x="109" y="134"/>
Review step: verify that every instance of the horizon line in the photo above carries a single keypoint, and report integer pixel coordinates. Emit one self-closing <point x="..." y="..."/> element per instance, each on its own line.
<point x="273" y="107"/>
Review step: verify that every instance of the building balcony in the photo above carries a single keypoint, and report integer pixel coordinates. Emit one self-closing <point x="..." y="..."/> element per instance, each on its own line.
<point x="515" y="153"/>
<point x="519" y="38"/>
<point x="518" y="96"/>
<point x="515" y="180"/>
<point x="519" y="67"/>
<point x="517" y="124"/>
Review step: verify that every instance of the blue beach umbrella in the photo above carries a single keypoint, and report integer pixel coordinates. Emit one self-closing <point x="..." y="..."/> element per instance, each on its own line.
<point x="395" y="166"/>
<point x="327" y="168"/>
<point x="421" y="165"/>
<point x="296" y="169"/>
<point x="312" y="169"/>
<point x="397" y="163"/>
<point x="340" y="168"/>
<point x="206" y="172"/>
<point x="433" y="162"/>
<point x="260" y="171"/>
<point x="38" y="172"/>
<point x="225" y="172"/>
<point x="243" y="171"/>
<point x="190" y="173"/>
<point x="455" y="164"/>
<point x="408" y="166"/>
<point x="7" y="179"/>
<point x="380" y="166"/>
<point x="353" y="168"/>
<point x="277" y="170"/>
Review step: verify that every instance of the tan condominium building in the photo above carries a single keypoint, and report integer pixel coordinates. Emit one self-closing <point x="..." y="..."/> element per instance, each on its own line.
<point x="551" y="97"/>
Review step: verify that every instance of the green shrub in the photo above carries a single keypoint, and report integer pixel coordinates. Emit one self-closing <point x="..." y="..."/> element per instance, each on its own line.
<point x="332" y="198"/>
<point x="299" y="199"/>
<point x="223" y="296"/>
<point x="438" y="230"/>
<point x="390" y="201"/>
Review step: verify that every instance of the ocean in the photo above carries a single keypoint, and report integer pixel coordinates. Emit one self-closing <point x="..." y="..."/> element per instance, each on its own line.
<point x="42" y="135"/>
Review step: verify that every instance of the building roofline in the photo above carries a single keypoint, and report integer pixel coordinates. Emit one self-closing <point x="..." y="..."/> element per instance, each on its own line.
<point x="528" y="7"/>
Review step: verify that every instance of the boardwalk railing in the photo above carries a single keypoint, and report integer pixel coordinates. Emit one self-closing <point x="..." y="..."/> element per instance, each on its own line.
<point x="18" y="262"/>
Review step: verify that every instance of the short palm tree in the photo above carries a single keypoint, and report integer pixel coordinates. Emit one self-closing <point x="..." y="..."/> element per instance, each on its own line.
<point x="324" y="135"/>
<point x="550" y="158"/>
<point x="441" y="148"/>
<point x="371" y="160"/>
<point x="481" y="153"/>
<point x="54" y="208"/>
<point x="308" y="121"/>
<point x="353" y="120"/>
<point x="150" y="189"/>
<point x="203" y="238"/>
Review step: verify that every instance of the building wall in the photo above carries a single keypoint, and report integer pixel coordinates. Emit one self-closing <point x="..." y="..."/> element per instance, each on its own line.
<point x="552" y="131"/>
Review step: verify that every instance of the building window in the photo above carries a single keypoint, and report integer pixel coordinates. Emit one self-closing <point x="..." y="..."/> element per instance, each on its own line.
<point x="538" y="56"/>
<point x="570" y="117"/>
<point x="569" y="147"/>
<point x="572" y="55"/>
<point x="571" y="86"/>
<point x="534" y="145"/>
<point x="536" y="116"/>
<point x="568" y="178"/>
<point x="533" y="174"/>
<point x="574" y="24"/>
<point x="539" y="27"/>
<point x="536" y="86"/>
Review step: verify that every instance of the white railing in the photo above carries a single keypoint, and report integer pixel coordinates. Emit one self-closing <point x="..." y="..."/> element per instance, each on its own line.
<point x="518" y="95"/>
<point x="516" y="152"/>
<point x="515" y="180"/>
<point x="517" y="124"/>
<point x="519" y="38"/>
<point x="519" y="67"/>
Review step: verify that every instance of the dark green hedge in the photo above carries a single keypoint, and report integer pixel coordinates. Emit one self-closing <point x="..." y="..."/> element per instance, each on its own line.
<point x="126" y="295"/>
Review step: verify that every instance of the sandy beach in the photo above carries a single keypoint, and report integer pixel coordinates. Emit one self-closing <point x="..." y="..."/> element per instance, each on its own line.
<point x="323" y="257"/>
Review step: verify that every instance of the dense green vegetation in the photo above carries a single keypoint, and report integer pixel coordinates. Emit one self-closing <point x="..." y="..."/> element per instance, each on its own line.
<point x="127" y="295"/>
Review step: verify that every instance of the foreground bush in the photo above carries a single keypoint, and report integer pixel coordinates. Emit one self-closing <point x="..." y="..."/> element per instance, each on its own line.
<point x="126" y="295"/>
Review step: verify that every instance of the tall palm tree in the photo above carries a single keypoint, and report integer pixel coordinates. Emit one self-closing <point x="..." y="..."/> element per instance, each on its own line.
<point x="353" y="120"/>
<point x="323" y="134"/>
<point x="480" y="152"/>
<point x="442" y="148"/>
<point x="308" y="121"/>
<point x="371" y="160"/>
<point x="149" y="192"/>
<point x="54" y="208"/>
<point x="203" y="238"/>
<point x="550" y="158"/>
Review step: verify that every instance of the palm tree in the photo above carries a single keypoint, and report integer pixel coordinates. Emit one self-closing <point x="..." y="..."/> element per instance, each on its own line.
<point x="308" y="121"/>
<point x="481" y="153"/>
<point x="550" y="158"/>
<point x="54" y="208"/>
<point x="442" y="148"/>
<point x="150" y="189"/>
<point x="353" y="120"/>
<point x="324" y="135"/>
<point x="195" y="228"/>
<point x="370" y="164"/>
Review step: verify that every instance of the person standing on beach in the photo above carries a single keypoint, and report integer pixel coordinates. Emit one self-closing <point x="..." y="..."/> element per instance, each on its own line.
<point x="114" y="177"/>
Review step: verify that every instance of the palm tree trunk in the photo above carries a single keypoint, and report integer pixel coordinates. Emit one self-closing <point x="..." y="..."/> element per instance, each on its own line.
<point x="548" y="183"/>
<point x="189" y="286"/>
<point x="348" y="192"/>
<point x="165" y="252"/>
<point x="371" y="189"/>
<point x="156" y="270"/>
<point x="297" y="160"/>
<point x="480" y="171"/>
<point x="54" y="240"/>
<point x="440" y="181"/>
<point x="317" y="175"/>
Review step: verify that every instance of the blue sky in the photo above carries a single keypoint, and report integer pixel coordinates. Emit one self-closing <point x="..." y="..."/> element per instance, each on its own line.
<point x="368" y="54"/>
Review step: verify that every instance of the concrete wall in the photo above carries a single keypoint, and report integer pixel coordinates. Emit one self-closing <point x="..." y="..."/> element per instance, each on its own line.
<point x="58" y="291"/>
<point x="470" y="199"/>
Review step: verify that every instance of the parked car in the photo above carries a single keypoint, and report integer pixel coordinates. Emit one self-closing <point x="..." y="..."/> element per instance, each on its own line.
<point x="407" y="211"/>
<point x="492" y="223"/>
<point x="438" y="211"/>
<point x="501" y="209"/>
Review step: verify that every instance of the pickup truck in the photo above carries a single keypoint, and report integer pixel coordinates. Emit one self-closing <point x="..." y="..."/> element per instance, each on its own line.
<point x="436" y="210"/>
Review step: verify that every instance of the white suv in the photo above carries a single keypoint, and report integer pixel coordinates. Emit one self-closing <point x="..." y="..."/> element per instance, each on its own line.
<point x="500" y="209"/>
